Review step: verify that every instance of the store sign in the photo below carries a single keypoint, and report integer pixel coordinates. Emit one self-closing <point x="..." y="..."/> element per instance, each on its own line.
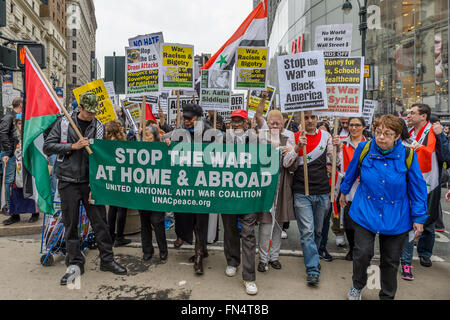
<point x="366" y="71"/>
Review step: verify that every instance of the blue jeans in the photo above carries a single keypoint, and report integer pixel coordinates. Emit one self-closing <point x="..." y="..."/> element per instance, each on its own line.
<point x="424" y="246"/>
<point x="325" y="230"/>
<point x="10" y="174"/>
<point x="310" y="212"/>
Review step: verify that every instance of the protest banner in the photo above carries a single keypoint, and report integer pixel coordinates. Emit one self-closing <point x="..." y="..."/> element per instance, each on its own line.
<point x="215" y="90"/>
<point x="302" y="84"/>
<point x="172" y="107"/>
<point x="255" y="99"/>
<point x="177" y="71"/>
<point x="368" y="111"/>
<point x="107" y="112"/>
<point x="251" y="68"/>
<point x="109" y="86"/>
<point x="142" y="70"/>
<point x="188" y="178"/>
<point x="345" y="81"/>
<point x="335" y="40"/>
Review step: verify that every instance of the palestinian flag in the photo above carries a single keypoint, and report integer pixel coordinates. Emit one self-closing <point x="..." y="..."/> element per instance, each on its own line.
<point x="41" y="111"/>
<point x="426" y="154"/>
<point x="252" y="32"/>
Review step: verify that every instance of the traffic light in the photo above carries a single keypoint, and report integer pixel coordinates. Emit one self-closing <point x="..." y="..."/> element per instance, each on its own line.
<point x="36" y="49"/>
<point x="7" y="58"/>
<point x="2" y="13"/>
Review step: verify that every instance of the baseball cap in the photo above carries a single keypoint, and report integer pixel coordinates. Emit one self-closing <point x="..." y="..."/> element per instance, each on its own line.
<point x="89" y="101"/>
<point x="191" y="110"/>
<point x="240" y="113"/>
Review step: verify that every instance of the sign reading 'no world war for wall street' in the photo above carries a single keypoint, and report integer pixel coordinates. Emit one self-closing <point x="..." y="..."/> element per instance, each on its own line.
<point x="302" y="84"/>
<point x="177" y="66"/>
<point x="344" y="79"/>
<point x="193" y="178"/>
<point x="251" y="68"/>
<point x="335" y="40"/>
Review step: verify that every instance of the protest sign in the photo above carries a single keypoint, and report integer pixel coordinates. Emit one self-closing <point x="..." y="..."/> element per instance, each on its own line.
<point x="251" y="68"/>
<point x="142" y="70"/>
<point x="215" y="90"/>
<point x="335" y="40"/>
<point x="255" y="99"/>
<point x="188" y="178"/>
<point x="344" y="77"/>
<point x="177" y="70"/>
<point x="172" y="107"/>
<point x="368" y="111"/>
<point x="107" y="112"/>
<point x="302" y="84"/>
<point x="152" y="39"/>
<point x="109" y="86"/>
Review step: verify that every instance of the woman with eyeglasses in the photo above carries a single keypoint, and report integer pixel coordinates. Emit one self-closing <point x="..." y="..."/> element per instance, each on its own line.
<point x="390" y="201"/>
<point x="356" y="127"/>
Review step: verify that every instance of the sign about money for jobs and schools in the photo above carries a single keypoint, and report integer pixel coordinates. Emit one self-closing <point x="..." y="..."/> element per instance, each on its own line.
<point x="177" y="71"/>
<point x="335" y="40"/>
<point x="107" y="112"/>
<point x="345" y="80"/>
<point x="255" y="99"/>
<point x="302" y="84"/>
<point x="188" y="178"/>
<point x="215" y="90"/>
<point x="251" y="68"/>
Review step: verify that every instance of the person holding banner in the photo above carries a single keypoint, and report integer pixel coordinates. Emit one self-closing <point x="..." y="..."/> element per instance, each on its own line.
<point x="283" y="207"/>
<point x="231" y="235"/>
<point x="152" y="219"/>
<point x="73" y="174"/>
<point x="390" y="201"/>
<point x="310" y="210"/>
<point x="187" y="224"/>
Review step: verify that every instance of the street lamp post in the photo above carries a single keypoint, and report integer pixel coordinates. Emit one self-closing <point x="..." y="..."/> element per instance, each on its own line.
<point x="347" y="7"/>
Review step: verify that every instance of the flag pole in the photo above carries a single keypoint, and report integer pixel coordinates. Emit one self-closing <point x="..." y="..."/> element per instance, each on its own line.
<point x="333" y="163"/>
<point x="178" y="110"/>
<point x="305" y="159"/>
<point x="55" y="97"/>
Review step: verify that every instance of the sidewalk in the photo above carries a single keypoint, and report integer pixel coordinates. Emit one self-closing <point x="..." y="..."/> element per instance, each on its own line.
<point x="22" y="277"/>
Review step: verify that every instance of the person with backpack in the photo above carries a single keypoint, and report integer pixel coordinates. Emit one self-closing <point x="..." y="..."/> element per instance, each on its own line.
<point x="390" y="201"/>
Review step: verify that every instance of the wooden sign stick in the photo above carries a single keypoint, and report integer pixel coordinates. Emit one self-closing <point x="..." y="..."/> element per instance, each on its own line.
<point x="215" y="120"/>
<point x="178" y="109"/>
<point x="305" y="159"/>
<point x="333" y="163"/>
<point x="289" y="122"/>
<point x="143" y="115"/>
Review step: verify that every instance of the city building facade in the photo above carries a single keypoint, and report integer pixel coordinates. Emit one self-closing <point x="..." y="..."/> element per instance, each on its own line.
<point x="406" y="47"/>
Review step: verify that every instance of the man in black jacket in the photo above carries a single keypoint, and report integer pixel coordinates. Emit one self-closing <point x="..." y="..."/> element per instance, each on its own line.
<point x="73" y="186"/>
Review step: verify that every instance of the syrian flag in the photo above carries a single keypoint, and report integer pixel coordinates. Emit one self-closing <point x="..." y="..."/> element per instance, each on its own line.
<point x="252" y="32"/>
<point x="41" y="111"/>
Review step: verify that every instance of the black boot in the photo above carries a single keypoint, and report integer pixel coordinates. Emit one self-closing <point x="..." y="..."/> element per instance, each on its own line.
<point x="13" y="219"/>
<point x="34" y="217"/>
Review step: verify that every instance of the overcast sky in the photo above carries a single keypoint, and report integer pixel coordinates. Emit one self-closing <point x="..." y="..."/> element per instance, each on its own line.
<point x="206" y="24"/>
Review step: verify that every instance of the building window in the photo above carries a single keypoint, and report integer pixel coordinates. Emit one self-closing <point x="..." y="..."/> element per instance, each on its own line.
<point x="12" y="7"/>
<point x="74" y="44"/>
<point x="74" y="68"/>
<point x="23" y="20"/>
<point x="74" y="80"/>
<point x="74" y="32"/>
<point x="74" y="56"/>
<point x="32" y="30"/>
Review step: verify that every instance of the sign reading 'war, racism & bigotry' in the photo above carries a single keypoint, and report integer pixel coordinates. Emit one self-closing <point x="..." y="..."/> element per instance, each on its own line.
<point x="192" y="178"/>
<point x="177" y="66"/>
<point x="251" y="68"/>
<point x="302" y="82"/>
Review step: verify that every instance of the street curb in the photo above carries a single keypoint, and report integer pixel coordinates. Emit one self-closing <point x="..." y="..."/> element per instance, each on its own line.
<point x="21" y="228"/>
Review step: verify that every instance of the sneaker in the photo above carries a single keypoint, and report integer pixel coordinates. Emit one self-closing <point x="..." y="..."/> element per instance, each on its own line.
<point x="313" y="279"/>
<point x="323" y="254"/>
<point x="250" y="287"/>
<point x="230" y="271"/>
<point x="275" y="264"/>
<point x="340" y="241"/>
<point x="262" y="267"/>
<point x="354" y="294"/>
<point x="407" y="272"/>
<point x="425" y="261"/>
<point x="283" y="235"/>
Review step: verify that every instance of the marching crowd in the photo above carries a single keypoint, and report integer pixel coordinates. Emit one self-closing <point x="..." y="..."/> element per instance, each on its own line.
<point x="387" y="183"/>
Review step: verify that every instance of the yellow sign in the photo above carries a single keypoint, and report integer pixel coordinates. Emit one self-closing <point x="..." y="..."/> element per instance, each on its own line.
<point x="366" y="71"/>
<point x="251" y="58"/>
<point x="178" y="56"/>
<point x="255" y="99"/>
<point x="107" y="112"/>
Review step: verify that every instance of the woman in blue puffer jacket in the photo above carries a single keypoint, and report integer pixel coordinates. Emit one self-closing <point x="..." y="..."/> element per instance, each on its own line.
<point x="391" y="200"/>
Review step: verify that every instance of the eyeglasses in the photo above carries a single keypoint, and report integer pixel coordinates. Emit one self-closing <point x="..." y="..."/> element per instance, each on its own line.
<point x="386" y="134"/>
<point x="357" y="125"/>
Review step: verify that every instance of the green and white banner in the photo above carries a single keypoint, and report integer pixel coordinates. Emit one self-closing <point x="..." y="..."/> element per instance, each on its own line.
<point x="185" y="177"/>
